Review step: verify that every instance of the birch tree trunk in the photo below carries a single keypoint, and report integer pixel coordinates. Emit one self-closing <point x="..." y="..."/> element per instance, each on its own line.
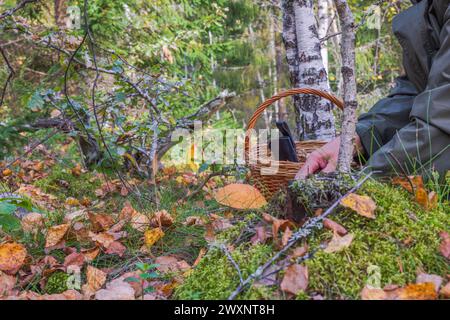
<point x="349" y="85"/>
<point x="314" y="117"/>
<point x="323" y="16"/>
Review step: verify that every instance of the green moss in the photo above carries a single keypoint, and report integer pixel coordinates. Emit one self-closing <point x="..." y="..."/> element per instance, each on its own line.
<point x="216" y="278"/>
<point x="400" y="241"/>
<point x="56" y="283"/>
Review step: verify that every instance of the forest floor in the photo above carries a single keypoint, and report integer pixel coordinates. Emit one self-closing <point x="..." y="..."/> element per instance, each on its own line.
<point x="89" y="237"/>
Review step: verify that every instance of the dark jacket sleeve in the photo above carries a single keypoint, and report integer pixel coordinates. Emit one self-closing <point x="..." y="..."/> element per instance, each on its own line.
<point x="424" y="143"/>
<point x="378" y="126"/>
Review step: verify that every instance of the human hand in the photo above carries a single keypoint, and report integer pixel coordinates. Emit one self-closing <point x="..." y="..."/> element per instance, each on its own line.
<point x="325" y="159"/>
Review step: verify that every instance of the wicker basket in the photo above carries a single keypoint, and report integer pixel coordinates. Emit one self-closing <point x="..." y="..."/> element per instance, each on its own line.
<point x="269" y="183"/>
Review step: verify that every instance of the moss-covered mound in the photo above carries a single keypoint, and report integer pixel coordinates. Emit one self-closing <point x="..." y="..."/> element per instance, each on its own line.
<point x="401" y="241"/>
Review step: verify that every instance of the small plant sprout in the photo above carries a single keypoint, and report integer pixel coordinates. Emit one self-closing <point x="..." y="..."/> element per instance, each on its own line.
<point x="148" y="273"/>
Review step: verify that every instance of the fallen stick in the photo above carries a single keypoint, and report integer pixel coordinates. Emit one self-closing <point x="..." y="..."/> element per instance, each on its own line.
<point x="306" y="230"/>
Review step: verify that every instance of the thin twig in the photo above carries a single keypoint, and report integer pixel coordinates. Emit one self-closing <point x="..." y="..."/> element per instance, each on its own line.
<point x="232" y="261"/>
<point x="306" y="230"/>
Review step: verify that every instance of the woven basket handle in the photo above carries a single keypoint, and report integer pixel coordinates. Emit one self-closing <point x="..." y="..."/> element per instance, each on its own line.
<point x="252" y="122"/>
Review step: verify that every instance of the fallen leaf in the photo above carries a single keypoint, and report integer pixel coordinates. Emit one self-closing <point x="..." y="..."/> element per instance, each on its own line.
<point x="7" y="284"/>
<point x="95" y="278"/>
<point x="363" y="205"/>
<point x="427" y="200"/>
<point x="445" y="291"/>
<point x="240" y="196"/>
<point x="55" y="235"/>
<point x="171" y="264"/>
<point x="71" y="216"/>
<point x="72" y="202"/>
<point x="295" y="279"/>
<point x="200" y="256"/>
<point x="117" y="289"/>
<point x="116" y="248"/>
<point x="140" y="222"/>
<point x="32" y="222"/>
<point x="286" y="236"/>
<point x="444" y="247"/>
<point x="74" y="258"/>
<point x="420" y="291"/>
<point x="300" y="251"/>
<point x="334" y="226"/>
<point x="409" y="183"/>
<point x="152" y="236"/>
<point x="100" y="221"/>
<point x="260" y="236"/>
<point x="127" y="211"/>
<point x="369" y="293"/>
<point x="12" y="257"/>
<point x="431" y="278"/>
<point x="194" y="221"/>
<point x="102" y="239"/>
<point x="77" y="170"/>
<point x="161" y="218"/>
<point x="90" y="254"/>
<point x="339" y="243"/>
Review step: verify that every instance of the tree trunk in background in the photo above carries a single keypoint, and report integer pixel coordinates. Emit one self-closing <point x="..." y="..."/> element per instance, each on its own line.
<point x="273" y="53"/>
<point x="323" y="15"/>
<point x="61" y="12"/>
<point x="349" y="85"/>
<point x="314" y="117"/>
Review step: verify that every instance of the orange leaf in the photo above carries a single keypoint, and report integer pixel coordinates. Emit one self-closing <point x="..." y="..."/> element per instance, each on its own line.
<point x="334" y="226"/>
<point x="362" y="205"/>
<point x="419" y="291"/>
<point x="409" y="183"/>
<point x="96" y="278"/>
<point x="12" y="257"/>
<point x="295" y="279"/>
<point x="55" y="235"/>
<point x="103" y="239"/>
<point x="240" y="196"/>
<point x="100" y="221"/>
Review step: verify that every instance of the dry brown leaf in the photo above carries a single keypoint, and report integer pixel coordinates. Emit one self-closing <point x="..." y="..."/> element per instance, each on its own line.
<point x="286" y="236"/>
<point x="139" y="222"/>
<point x="295" y="279"/>
<point x="194" y="221"/>
<point x="339" y="243"/>
<point x="260" y="236"/>
<point x="74" y="258"/>
<point x="71" y="216"/>
<point x="409" y="183"/>
<point x="7" y="284"/>
<point x="116" y="248"/>
<point x="12" y="257"/>
<point x="363" y="205"/>
<point x="161" y="219"/>
<point x="152" y="236"/>
<point x="334" y="226"/>
<point x="116" y="290"/>
<point x="201" y="254"/>
<point x="240" y="196"/>
<point x="427" y="200"/>
<point x="95" y="278"/>
<point x="55" y="235"/>
<point x="171" y="264"/>
<point x="100" y="221"/>
<point x="445" y="291"/>
<point x="127" y="211"/>
<point x="32" y="222"/>
<point x="90" y="254"/>
<point x="102" y="239"/>
<point x="300" y="251"/>
<point x="368" y="293"/>
<point x="444" y="247"/>
<point x="431" y="278"/>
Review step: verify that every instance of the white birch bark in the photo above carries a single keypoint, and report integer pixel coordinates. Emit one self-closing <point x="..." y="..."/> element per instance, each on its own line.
<point x="323" y="16"/>
<point x="314" y="117"/>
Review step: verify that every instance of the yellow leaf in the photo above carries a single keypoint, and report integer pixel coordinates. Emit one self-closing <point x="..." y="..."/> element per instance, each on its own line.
<point x="240" y="196"/>
<point x="6" y="172"/>
<point x="72" y="202"/>
<point x="152" y="236"/>
<point x="12" y="257"/>
<point x="362" y="205"/>
<point x="339" y="243"/>
<point x="55" y="235"/>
